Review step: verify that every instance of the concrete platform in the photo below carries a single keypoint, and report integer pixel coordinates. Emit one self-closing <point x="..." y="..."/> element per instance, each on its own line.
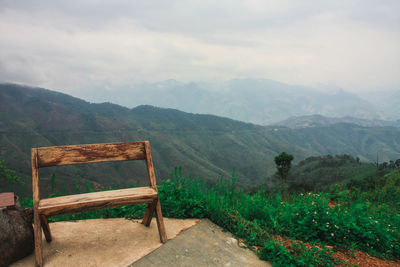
<point x="103" y="242"/>
<point x="202" y="245"/>
<point x="121" y="242"/>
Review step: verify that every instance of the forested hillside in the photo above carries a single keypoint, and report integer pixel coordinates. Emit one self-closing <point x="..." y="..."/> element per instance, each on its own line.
<point x="206" y="146"/>
<point x="322" y="172"/>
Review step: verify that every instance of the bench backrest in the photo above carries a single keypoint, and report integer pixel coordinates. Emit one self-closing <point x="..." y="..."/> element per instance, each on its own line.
<point x="78" y="154"/>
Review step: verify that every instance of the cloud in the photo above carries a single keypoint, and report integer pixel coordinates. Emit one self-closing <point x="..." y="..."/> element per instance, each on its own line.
<point x="73" y="45"/>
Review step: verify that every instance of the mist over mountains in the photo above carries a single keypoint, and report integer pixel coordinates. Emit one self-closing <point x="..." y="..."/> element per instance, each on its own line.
<point x="205" y="145"/>
<point x="319" y="120"/>
<point x="257" y="101"/>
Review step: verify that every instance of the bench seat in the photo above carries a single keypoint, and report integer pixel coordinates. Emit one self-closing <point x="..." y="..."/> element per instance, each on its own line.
<point x="96" y="200"/>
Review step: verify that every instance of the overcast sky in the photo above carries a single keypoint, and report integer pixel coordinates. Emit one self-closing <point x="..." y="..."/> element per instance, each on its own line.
<point x="74" y="45"/>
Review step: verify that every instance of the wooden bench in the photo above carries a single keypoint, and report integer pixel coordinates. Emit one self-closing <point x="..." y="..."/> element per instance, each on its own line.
<point x="78" y="154"/>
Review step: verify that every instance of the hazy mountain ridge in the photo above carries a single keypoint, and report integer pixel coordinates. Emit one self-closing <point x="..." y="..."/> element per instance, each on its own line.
<point x="205" y="145"/>
<point x="319" y="120"/>
<point x="387" y="102"/>
<point x="258" y="101"/>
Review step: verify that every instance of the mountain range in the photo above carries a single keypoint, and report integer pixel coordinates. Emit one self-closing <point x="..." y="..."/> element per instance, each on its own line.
<point x="258" y="101"/>
<point x="204" y="145"/>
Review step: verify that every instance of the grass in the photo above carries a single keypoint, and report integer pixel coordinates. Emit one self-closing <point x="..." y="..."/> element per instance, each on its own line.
<point x="367" y="221"/>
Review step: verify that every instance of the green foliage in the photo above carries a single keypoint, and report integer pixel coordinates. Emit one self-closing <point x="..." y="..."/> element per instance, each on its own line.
<point x="310" y="217"/>
<point x="54" y="192"/>
<point x="8" y="177"/>
<point x="283" y="163"/>
<point x="368" y="221"/>
<point x="297" y="255"/>
<point x="319" y="173"/>
<point x="379" y="191"/>
<point x="181" y="198"/>
<point x="280" y="255"/>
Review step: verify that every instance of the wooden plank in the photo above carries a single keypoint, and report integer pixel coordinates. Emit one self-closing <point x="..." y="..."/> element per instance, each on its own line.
<point x="150" y="208"/>
<point x="37" y="229"/>
<point x="148" y="215"/>
<point x="96" y="200"/>
<point x="7" y="199"/>
<point x="46" y="228"/>
<point x="149" y="165"/>
<point x="160" y="223"/>
<point x="76" y="154"/>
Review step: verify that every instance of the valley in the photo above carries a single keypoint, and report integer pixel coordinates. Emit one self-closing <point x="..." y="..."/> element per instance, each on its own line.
<point x="207" y="146"/>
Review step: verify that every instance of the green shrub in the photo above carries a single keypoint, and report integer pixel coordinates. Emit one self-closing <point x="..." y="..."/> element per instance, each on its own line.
<point x="370" y="223"/>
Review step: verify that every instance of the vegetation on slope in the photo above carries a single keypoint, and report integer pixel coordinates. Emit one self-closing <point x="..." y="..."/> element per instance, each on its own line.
<point x="319" y="224"/>
<point x="204" y="145"/>
<point x="318" y="173"/>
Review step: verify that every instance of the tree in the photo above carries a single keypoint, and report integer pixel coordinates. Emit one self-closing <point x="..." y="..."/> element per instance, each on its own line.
<point x="283" y="163"/>
<point x="397" y="163"/>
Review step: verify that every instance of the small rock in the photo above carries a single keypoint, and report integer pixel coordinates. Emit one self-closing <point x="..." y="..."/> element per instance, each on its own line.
<point x="231" y="241"/>
<point x="241" y="243"/>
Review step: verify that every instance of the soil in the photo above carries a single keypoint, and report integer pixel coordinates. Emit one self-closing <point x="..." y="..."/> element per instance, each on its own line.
<point x="351" y="258"/>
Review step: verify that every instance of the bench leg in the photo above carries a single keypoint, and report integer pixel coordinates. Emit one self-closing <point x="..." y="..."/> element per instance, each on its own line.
<point x="46" y="228"/>
<point x="149" y="212"/>
<point x="37" y="229"/>
<point x="160" y="223"/>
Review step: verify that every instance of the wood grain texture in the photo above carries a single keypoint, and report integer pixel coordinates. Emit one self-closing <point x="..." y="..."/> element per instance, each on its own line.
<point x="46" y="228"/>
<point x="149" y="165"/>
<point x="37" y="229"/>
<point x="160" y="223"/>
<point x="148" y="216"/>
<point x="96" y="200"/>
<point x="77" y="154"/>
